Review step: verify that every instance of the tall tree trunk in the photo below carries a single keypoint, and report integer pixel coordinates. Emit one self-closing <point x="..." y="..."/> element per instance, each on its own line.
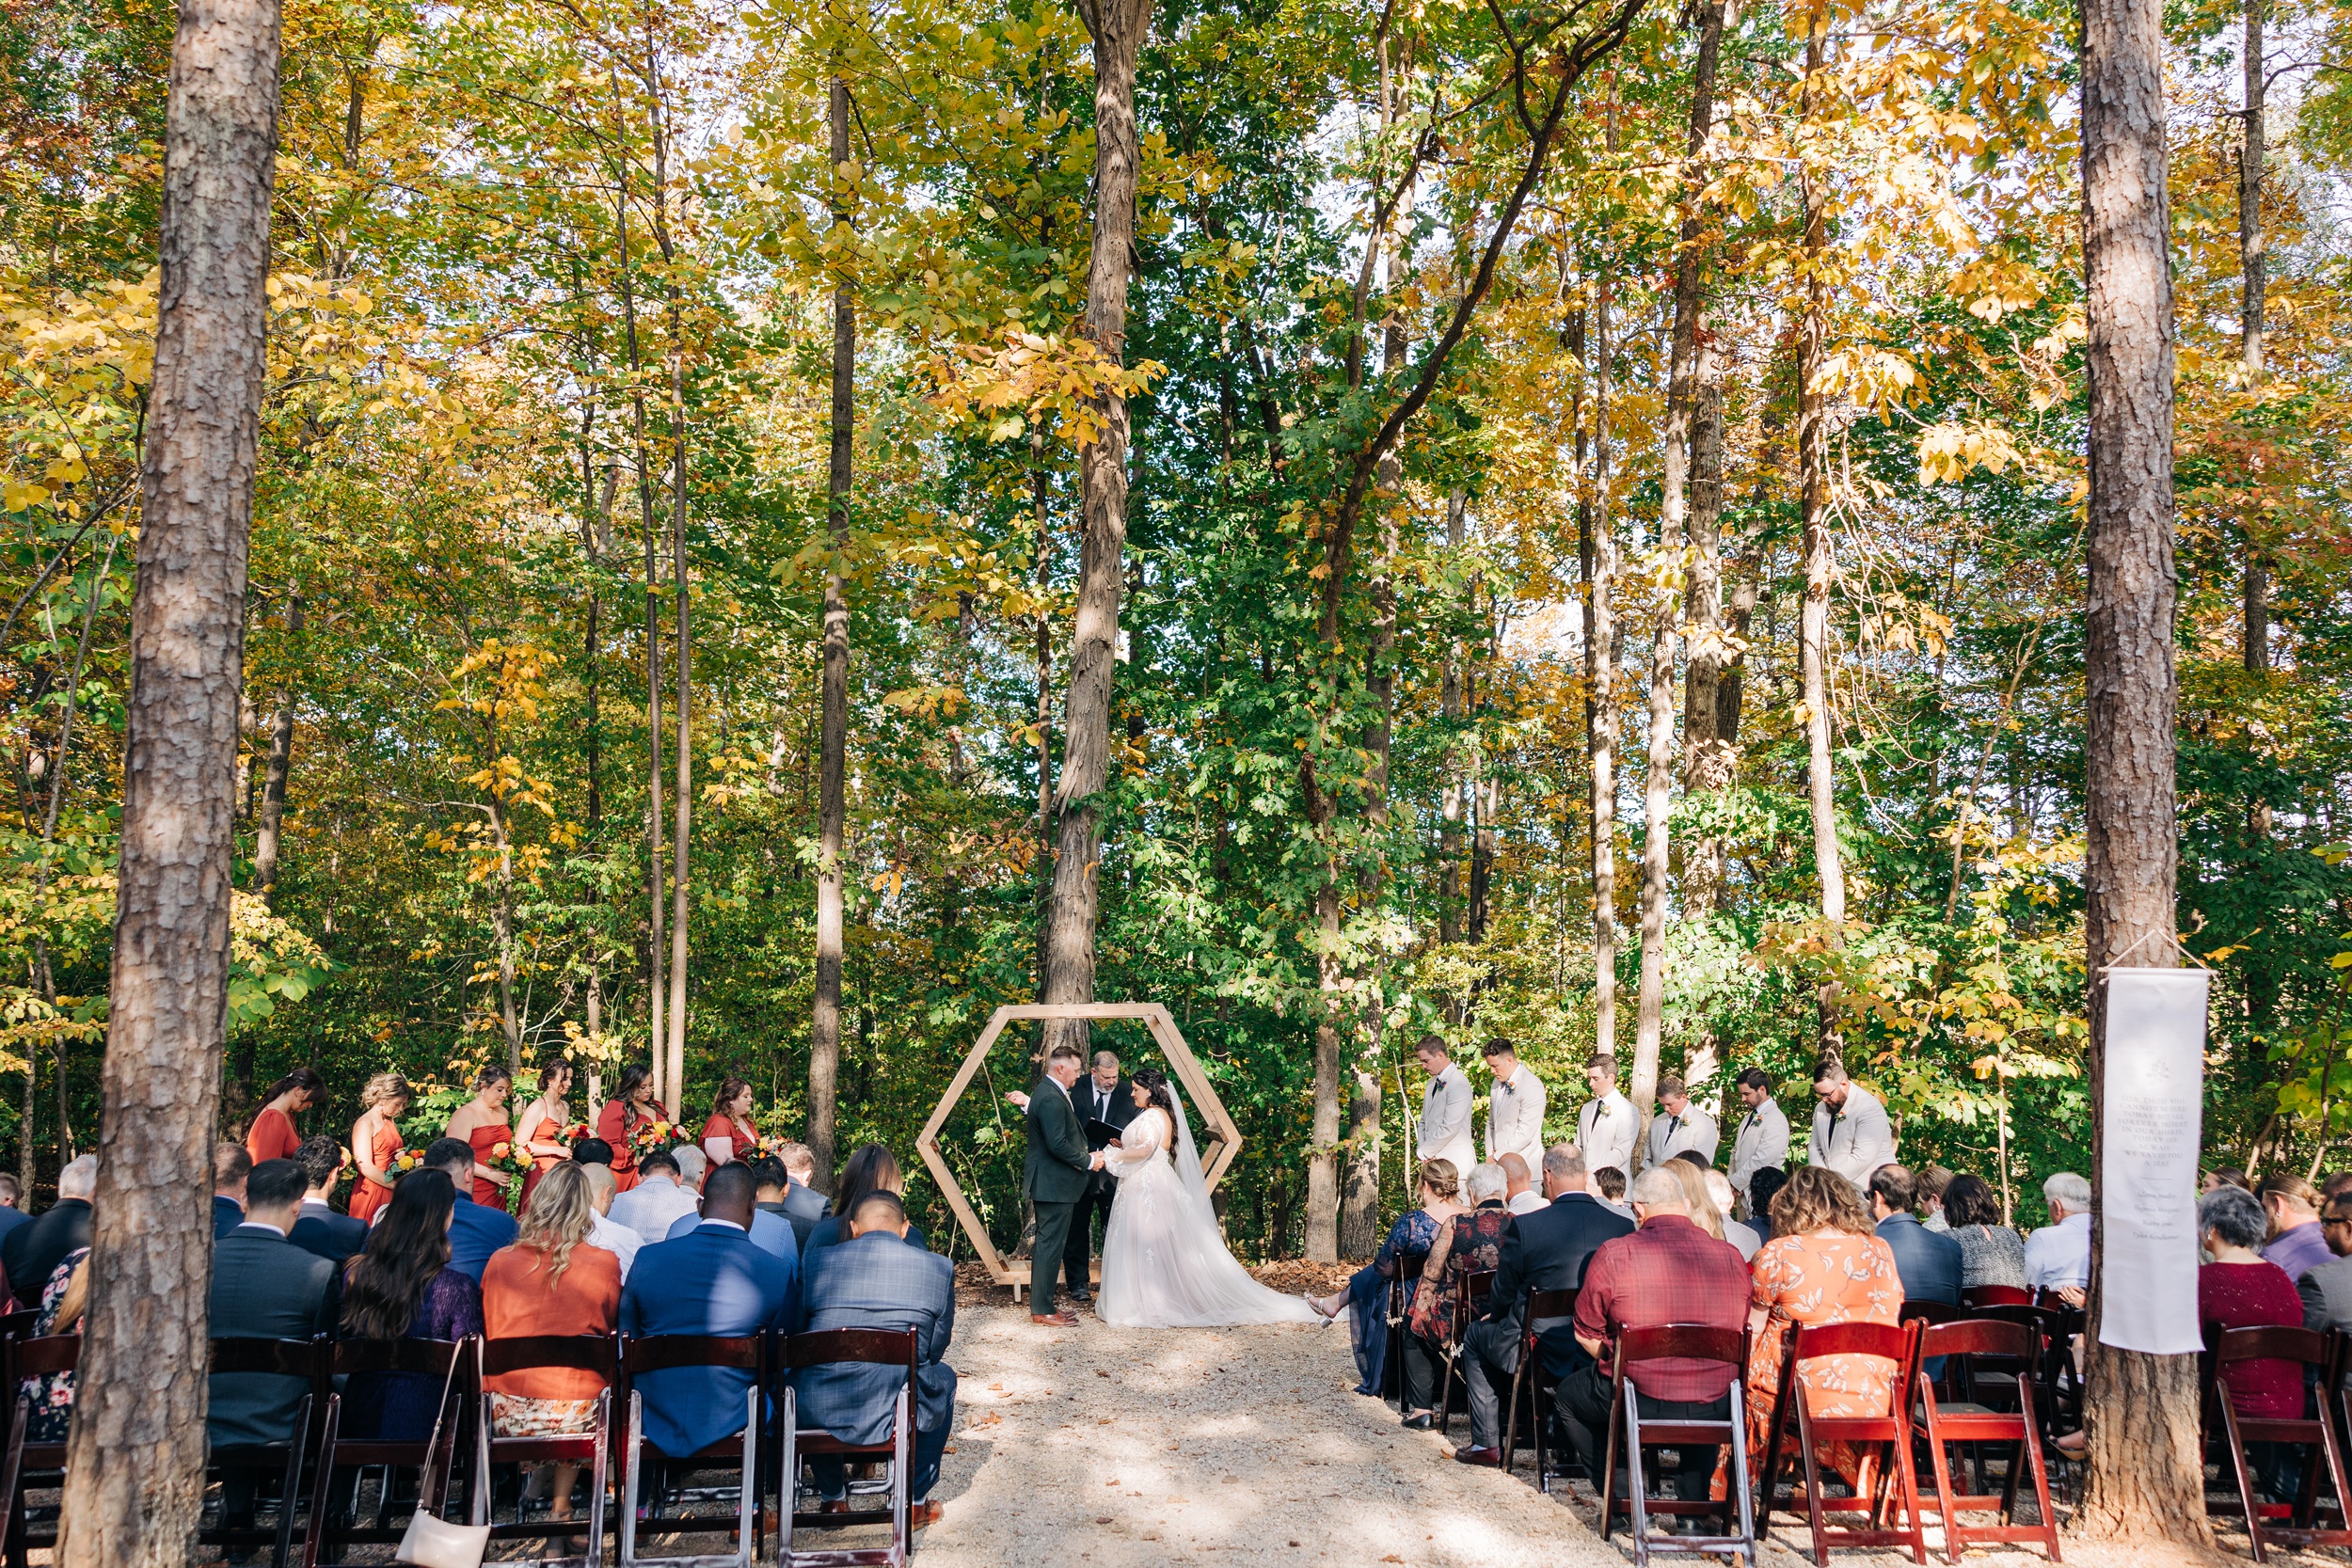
<point x="281" y="728"/>
<point x="1708" y="759"/>
<point x="681" y="834"/>
<point x="137" y="1449"/>
<point x="2252" y="264"/>
<point x="1682" y="393"/>
<point x="1117" y="29"/>
<point x="1597" y="556"/>
<point x="1813" y="482"/>
<point x="1454" y="789"/>
<point x="825" y="1056"/>
<point x="2146" y="1481"/>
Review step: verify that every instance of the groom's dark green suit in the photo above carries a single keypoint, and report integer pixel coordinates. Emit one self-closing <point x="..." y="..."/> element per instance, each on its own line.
<point x="1054" y="1177"/>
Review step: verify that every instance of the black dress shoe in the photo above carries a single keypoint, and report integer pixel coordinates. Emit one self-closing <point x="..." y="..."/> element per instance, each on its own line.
<point x="1419" y="1423"/>
<point x="1081" y="1298"/>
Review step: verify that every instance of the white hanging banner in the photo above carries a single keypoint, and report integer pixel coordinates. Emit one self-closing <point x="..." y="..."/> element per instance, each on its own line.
<point x="2147" y="1222"/>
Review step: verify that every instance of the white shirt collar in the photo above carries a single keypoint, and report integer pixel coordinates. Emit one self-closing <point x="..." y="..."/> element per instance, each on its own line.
<point x="739" y="1230"/>
<point x="263" y="1225"/>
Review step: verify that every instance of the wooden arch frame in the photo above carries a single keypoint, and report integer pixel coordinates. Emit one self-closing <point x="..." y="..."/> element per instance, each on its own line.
<point x="1216" y="1122"/>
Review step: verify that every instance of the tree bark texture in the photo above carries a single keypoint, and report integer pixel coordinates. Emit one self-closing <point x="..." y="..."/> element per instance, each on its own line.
<point x="682" y="831"/>
<point x="1118" y="28"/>
<point x="1454" y="788"/>
<point x="281" y="727"/>
<point x="2141" y="1411"/>
<point x="2253" y="265"/>
<point x="658" y="1057"/>
<point x="1598" y="559"/>
<point x="136" y="1448"/>
<point x="825" y="1056"/>
<point x="1710" y="760"/>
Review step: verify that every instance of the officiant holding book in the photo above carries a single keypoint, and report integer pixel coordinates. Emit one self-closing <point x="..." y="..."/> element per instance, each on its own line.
<point x="1106" y="1103"/>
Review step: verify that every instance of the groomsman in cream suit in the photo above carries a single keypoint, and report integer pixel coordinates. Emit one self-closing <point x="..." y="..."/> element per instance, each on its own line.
<point x="1761" y="1137"/>
<point x="1605" y="1127"/>
<point x="1515" y="1108"/>
<point x="1444" y="1131"/>
<point x="1852" y="1134"/>
<point x="1679" y="1125"/>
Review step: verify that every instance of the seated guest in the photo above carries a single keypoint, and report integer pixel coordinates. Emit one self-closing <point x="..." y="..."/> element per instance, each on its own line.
<point x="871" y="1169"/>
<point x="52" y="1394"/>
<point x="1471" y="1244"/>
<point x="711" y="1281"/>
<point x="1823" y="1265"/>
<point x="1609" y="1181"/>
<point x="1541" y="1251"/>
<point x="12" y="1205"/>
<point x="1933" y="1181"/>
<point x="404" y="1286"/>
<point x="2334" y="1186"/>
<point x="604" y="1190"/>
<point x="1763" y="1187"/>
<point x="1686" y="1168"/>
<point x="1738" y="1233"/>
<point x="263" y="1288"/>
<point x="595" y="1152"/>
<point x="318" y="1228"/>
<point x="477" y="1229"/>
<point x="554" y="1281"/>
<point x="1928" y="1265"/>
<point x="771" y="1186"/>
<point x="2058" y="1255"/>
<point x="652" y="1206"/>
<point x="1667" y="1272"/>
<point x="232" y="1164"/>
<point x="1366" y="1296"/>
<point x="1518" y="1186"/>
<point x="2243" y="1289"/>
<point x="874" y="1279"/>
<point x="2224" y="1176"/>
<point x="2326" y="1290"/>
<point x="770" y="1229"/>
<point x="1990" y="1252"/>
<point x="801" y="1199"/>
<point x="2298" y="1244"/>
<point x="693" y="1165"/>
<point x="32" y="1252"/>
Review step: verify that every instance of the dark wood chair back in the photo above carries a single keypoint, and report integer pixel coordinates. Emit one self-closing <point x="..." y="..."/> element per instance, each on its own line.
<point x="2272" y="1342"/>
<point x="1795" y="1427"/>
<point x="1630" y="1433"/>
<point x="641" y="1357"/>
<point x="1818" y="1340"/>
<point x="829" y="1347"/>
<point x="2291" y="1524"/>
<point x="664" y="1353"/>
<point x="269" y="1357"/>
<point x="599" y="1353"/>
<point x="1682" y="1342"/>
<point x="1543" y="1307"/>
<point x="453" y="1364"/>
<point x="416" y="1357"/>
<point x="308" y="1359"/>
<point x="55" y="1353"/>
<point x="1975" y="1297"/>
<point x="880" y="1347"/>
<point x="1928" y="1311"/>
<point x="1410" y="1264"/>
<point x="1979" y="1336"/>
<point x="18" y="1325"/>
<point x="595" y="1354"/>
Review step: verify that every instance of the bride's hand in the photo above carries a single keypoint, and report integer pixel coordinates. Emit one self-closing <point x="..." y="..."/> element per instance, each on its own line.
<point x="1118" y="1143"/>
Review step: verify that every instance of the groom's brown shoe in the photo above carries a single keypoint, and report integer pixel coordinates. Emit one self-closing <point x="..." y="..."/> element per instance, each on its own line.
<point x="1054" y="1319"/>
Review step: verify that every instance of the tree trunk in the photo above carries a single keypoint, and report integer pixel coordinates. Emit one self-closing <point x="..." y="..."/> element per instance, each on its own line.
<point x="137" y="1449"/>
<point x="2252" y="266"/>
<point x="1117" y="29"/>
<point x="1709" y="757"/>
<point x="1455" y="787"/>
<point x="825" y="1056"/>
<point x="658" y="1058"/>
<point x="1813" y="479"/>
<point x="281" y="728"/>
<point x="2146" y="1481"/>
<point x="1682" y="393"/>
<point x="1597" y="555"/>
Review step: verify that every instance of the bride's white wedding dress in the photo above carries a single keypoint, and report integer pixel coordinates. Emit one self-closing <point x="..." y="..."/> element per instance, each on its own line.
<point x="1165" y="1264"/>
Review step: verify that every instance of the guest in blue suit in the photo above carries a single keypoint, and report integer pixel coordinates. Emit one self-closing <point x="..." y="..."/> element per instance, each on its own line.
<point x="231" y="1167"/>
<point x="875" y="1280"/>
<point x="711" y="1281"/>
<point x="334" y="1237"/>
<point x="475" y="1229"/>
<point x="1928" y="1264"/>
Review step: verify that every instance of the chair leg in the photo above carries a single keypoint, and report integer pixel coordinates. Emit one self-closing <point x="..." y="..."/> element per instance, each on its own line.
<point x="598" y="1477"/>
<point x="1746" y="1502"/>
<point x="292" y="1486"/>
<point x="2245" y="1479"/>
<point x="902" y="1483"/>
<point x="12" y="1481"/>
<point x="789" y="1474"/>
<point x="1606" y="1482"/>
<point x="1943" y="1473"/>
<point x="747" y="1519"/>
<point x="1907" y="1481"/>
<point x="1511" y="1416"/>
<point x="1636" y="1484"/>
<point x="632" y="1461"/>
<point x="316" y="1539"/>
<point x="1812" y="1472"/>
<point x="1772" y="1437"/>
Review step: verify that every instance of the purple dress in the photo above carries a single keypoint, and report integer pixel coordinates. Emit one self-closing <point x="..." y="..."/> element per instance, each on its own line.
<point x="399" y="1408"/>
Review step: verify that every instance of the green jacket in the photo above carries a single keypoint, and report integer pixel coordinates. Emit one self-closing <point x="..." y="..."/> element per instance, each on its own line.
<point x="1057" y="1165"/>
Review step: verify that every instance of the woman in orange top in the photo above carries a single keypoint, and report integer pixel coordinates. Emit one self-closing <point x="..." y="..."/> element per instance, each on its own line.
<point x="375" y="1142"/>
<point x="542" y="1123"/>
<point x="550" y="1282"/>
<point x="272" y="1136"/>
<point x="620" y="1117"/>
<point x="730" y="1133"/>
<point x="482" y="1122"/>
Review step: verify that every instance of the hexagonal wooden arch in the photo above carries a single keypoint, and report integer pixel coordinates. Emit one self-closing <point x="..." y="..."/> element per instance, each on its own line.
<point x="1218" y="1124"/>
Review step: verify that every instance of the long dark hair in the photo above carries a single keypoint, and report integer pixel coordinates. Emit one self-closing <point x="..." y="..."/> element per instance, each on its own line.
<point x="632" y="1076"/>
<point x="871" y="1169"/>
<point x="1153" y="1081"/>
<point x="1969" y="1201"/>
<point x="408" y="1246"/>
<point x="303" y="1078"/>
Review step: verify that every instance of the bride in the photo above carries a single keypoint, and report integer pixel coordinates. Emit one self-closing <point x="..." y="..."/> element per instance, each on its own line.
<point x="1164" y="1260"/>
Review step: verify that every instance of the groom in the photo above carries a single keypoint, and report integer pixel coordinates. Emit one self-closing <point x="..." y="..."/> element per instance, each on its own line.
<point x="1055" y="1175"/>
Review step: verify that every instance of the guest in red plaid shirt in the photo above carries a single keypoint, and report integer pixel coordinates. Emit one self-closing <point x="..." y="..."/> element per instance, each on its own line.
<point x="1668" y="1271"/>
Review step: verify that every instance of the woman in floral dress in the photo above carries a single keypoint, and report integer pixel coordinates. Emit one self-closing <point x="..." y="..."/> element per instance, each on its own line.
<point x="1823" y="1266"/>
<point x="1366" y="1295"/>
<point x="61" y="1302"/>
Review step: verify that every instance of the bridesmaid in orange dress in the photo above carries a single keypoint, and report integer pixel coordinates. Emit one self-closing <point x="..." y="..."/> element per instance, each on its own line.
<point x="632" y="1102"/>
<point x="482" y="1122"/>
<point x="542" y="1123"/>
<point x="375" y="1142"/>
<point x="730" y="1133"/>
<point x="272" y="1136"/>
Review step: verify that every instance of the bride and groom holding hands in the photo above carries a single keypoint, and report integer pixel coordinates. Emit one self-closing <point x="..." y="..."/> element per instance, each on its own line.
<point x="1164" y="1263"/>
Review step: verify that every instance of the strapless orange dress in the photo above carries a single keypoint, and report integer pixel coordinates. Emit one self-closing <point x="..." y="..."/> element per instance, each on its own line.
<point x="489" y="1194"/>
<point x="547" y="1132"/>
<point x="369" y="1196"/>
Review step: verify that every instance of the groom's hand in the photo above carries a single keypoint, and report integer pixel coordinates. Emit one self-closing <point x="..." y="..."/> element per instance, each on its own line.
<point x="1018" y="1098"/>
<point x="1095" y="1163"/>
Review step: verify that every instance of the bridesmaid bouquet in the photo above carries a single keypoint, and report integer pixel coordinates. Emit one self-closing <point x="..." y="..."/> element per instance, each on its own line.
<point x="655" y="1133"/>
<point x="574" y="1133"/>
<point x="406" y="1160"/>
<point x="511" y="1156"/>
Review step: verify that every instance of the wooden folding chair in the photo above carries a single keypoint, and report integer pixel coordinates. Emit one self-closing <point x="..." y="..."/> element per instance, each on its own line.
<point x="1401" y="1288"/>
<point x="1968" y="1422"/>
<point x="453" y="1363"/>
<point x="1470" y="1294"/>
<point x="874" y="1347"/>
<point x="1638" y="1351"/>
<point x="307" y="1359"/>
<point x="667" y="1352"/>
<point x="596" y="1354"/>
<point x="1545" y="1309"/>
<point x="26" y="1357"/>
<point x="1928" y="1312"/>
<point x="1975" y="1297"/>
<point x="2308" y="1349"/>
<point x="1890" y="1433"/>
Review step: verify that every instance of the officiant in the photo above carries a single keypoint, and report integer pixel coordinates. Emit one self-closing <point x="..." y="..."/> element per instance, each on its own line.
<point x="1106" y="1103"/>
